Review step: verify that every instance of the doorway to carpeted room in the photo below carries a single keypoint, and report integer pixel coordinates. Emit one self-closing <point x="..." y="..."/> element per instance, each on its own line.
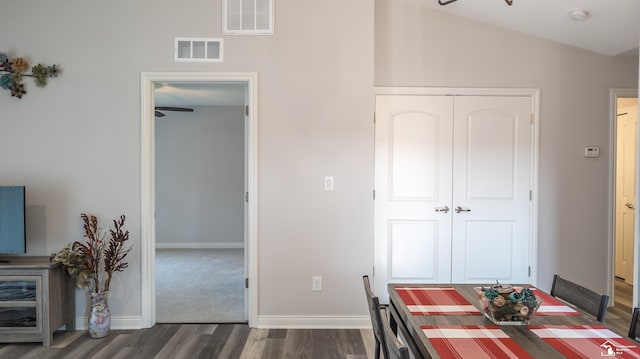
<point x="200" y="286"/>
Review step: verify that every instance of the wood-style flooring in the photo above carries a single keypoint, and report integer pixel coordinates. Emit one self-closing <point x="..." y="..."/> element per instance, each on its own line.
<point x="174" y="341"/>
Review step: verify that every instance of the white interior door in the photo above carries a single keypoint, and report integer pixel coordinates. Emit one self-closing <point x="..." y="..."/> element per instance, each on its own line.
<point x="491" y="189"/>
<point x="436" y="153"/>
<point x="625" y="192"/>
<point x="413" y="152"/>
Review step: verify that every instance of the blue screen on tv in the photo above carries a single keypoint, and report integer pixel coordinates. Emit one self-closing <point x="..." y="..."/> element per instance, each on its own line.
<point x="12" y="222"/>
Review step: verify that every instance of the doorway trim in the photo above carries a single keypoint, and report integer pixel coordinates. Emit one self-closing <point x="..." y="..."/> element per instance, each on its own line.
<point x="147" y="164"/>
<point x="614" y="94"/>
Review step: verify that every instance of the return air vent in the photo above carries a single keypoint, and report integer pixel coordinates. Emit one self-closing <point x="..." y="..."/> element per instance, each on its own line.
<point x="195" y="49"/>
<point x="247" y="17"/>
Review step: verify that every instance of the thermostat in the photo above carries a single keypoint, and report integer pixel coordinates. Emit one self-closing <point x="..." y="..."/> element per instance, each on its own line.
<point x="592" y="151"/>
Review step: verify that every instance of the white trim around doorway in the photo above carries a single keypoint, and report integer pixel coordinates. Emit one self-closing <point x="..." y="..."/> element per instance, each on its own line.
<point x="614" y="94"/>
<point x="147" y="159"/>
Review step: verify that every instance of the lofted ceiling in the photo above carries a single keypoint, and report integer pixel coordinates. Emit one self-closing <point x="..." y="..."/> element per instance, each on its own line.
<point x="611" y="27"/>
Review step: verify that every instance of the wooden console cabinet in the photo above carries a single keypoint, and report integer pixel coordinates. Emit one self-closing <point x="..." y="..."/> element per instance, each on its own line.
<point x="37" y="297"/>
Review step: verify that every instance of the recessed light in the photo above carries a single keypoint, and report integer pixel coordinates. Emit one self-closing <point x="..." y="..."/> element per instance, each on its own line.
<point x="579" y="14"/>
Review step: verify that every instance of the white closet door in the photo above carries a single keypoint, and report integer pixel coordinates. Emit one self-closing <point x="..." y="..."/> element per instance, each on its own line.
<point x="491" y="189"/>
<point x="413" y="167"/>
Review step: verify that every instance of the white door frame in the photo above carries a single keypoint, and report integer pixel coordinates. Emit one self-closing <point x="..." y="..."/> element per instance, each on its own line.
<point x="147" y="159"/>
<point x="614" y="94"/>
<point x="535" y="150"/>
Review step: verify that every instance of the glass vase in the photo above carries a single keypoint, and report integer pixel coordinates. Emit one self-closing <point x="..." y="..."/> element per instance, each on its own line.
<point x="99" y="315"/>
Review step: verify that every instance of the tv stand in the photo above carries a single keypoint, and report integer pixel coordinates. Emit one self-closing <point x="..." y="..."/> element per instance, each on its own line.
<point x="37" y="297"/>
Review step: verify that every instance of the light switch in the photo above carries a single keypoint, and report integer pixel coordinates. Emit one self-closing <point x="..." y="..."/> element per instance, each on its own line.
<point x="328" y="183"/>
<point x="316" y="283"/>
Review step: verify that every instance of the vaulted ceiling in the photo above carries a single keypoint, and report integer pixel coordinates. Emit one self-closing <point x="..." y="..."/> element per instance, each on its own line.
<point x="611" y="27"/>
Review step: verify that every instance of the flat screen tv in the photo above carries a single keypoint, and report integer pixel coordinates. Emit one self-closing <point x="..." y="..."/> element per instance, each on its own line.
<point x="13" y="238"/>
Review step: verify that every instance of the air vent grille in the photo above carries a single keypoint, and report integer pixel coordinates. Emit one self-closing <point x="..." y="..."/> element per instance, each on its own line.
<point x="197" y="49"/>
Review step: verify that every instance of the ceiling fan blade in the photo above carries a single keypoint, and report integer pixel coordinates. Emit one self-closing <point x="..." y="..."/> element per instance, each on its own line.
<point x="159" y="114"/>
<point x="169" y="108"/>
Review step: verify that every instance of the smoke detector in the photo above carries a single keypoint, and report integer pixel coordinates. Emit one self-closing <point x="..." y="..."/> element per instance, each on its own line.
<point x="579" y="14"/>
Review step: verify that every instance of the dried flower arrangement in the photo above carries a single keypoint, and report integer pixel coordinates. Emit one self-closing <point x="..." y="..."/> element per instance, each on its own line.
<point x="94" y="262"/>
<point x="12" y="72"/>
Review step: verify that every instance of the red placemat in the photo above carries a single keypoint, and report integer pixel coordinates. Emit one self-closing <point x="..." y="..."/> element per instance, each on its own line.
<point x="473" y="341"/>
<point x="436" y="301"/>
<point x="586" y="341"/>
<point x="552" y="306"/>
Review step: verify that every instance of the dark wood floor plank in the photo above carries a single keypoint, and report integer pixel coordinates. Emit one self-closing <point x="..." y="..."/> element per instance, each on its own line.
<point x="221" y="341"/>
<point x="254" y="347"/>
<point x="277" y="333"/>
<point x="349" y="341"/>
<point x="118" y="345"/>
<point x="235" y="344"/>
<point x="273" y="349"/>
<point x="215" y="342"/>
<point x="183" y="344"/>
<point x="149" y="342"/>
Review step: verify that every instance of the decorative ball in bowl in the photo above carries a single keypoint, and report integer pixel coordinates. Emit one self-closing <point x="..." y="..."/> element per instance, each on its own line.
<point x="505" y="305"/>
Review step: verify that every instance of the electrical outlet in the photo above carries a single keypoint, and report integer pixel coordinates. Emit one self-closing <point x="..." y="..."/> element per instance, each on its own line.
<point x="316" y="283"/>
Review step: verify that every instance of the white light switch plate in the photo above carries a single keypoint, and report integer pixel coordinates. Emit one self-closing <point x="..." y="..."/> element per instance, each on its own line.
<point x="316" y="283"/>
<point x="328" y="183"/>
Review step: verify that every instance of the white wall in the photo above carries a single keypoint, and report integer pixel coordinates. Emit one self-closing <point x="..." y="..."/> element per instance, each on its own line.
<point x="75" y="144"/>
<point x="417" y="46"/>
<point x="200" y="178"/>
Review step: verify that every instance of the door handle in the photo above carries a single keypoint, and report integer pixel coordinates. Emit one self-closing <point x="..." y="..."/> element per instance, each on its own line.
<point x="630" y="205"/>
<point x="460" y="209"/>
<point x="444" y="209"/>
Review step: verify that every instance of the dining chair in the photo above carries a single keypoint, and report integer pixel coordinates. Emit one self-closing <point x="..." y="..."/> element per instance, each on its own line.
<point x="376" y="319"/>
<point x="633" y="326"/>
<point x="583" y="298"/>
<point x="394" y="346"/>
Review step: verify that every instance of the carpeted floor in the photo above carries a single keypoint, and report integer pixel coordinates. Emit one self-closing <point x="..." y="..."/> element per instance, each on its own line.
<point x="200" y="286"/>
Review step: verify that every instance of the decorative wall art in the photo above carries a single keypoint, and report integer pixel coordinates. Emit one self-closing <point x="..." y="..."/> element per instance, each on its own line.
<point x="12" y="71"/>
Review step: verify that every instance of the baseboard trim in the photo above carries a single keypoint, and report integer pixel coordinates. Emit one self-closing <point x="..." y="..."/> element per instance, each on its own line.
<point x="117" y="323"/>
<point x="313" y="322"/>
<point x="262" y="322"/>
<point x="199" y="245"/>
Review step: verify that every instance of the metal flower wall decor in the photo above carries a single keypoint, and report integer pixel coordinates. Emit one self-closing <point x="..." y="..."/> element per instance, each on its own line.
<point x="12" y="72"/>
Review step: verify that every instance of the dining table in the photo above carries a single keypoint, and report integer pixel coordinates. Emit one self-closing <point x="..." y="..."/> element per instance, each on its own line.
<point x="448" y="321"/>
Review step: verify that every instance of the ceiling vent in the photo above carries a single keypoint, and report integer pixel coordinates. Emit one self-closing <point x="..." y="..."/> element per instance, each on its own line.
<point x="197" y="49"/>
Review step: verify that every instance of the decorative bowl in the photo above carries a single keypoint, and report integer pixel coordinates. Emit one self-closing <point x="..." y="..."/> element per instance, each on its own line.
<point x="505" y="305"/>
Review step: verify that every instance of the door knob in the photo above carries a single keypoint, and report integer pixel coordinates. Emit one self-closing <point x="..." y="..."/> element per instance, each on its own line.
<point x="444" y="209"/>
<point x="630" y="205"/>
<point x="460" y="209"/>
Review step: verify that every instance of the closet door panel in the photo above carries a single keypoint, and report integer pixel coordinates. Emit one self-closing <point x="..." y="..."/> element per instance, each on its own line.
<point x="413" y="154"/>
<point x="491" y="186"/>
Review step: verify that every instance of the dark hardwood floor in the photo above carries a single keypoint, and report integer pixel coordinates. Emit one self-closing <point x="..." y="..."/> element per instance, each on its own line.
<point x="619" y="315"/>
<point x="173" y="341"/>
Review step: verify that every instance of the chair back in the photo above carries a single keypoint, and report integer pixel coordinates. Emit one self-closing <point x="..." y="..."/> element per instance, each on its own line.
<point x="376" y="321"/>
<point x="394" y="346"/>
<point x="633" y="327"/>
<point x="583" y="298"/>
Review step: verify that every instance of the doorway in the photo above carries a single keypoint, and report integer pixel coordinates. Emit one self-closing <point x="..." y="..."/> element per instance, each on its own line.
<point x="149" y="200"/>
<point x="625" y="126"/>
<point x="199" y="181"/>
